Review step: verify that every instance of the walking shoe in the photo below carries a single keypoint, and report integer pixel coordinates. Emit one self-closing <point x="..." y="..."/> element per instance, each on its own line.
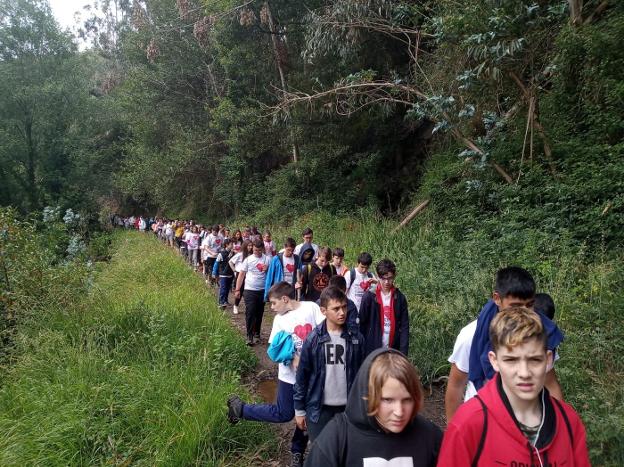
<point x="250" y="341"/>
<point x="235" y="310"/>
<point x="296" y="459"/>
<point x="235" y="409"/>
<point x="258" y="340"/>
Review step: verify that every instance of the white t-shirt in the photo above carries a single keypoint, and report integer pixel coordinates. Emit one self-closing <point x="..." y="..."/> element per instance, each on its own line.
<point x="385" y="337"/>
<point x="461" y="355"/>
<point x="269" y="249"/>
<point x="361" y="284"/>
<point x="237" y="260"/>
<point x="255" y="269"/>
<point x="298" y="323"/>
<point x="192" y="240"/>
<point x="212" y="242"/>
<point x="289" y="268"/>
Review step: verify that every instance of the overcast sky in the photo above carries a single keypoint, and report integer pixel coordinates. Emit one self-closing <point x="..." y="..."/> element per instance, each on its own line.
<point x="64" y="11"/>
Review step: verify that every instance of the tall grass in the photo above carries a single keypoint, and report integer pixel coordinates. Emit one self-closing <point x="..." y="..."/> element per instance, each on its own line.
<point x="447" y="280"/>
<point x="136" y="371"/>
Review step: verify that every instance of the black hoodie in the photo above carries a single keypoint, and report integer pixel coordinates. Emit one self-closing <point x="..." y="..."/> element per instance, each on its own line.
<point x="356" y="439"/>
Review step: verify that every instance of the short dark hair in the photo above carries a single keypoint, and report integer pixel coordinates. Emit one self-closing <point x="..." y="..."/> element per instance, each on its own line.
<point x="338" y="281"/>
<point x="226" y="241"/>
<point x="332" y="293"/>
<point x="384" y="267"/>
<point x="365" y="258"/>
<point x="325" y="252"/>
<point x="339" y="252"/>
<point x="307" y="231"/>
<point x="259" y="244"/>
<point x="290" y="242"/>
<point x="215" y="227"/>
<point x="282" y="289"/>
<point x="545" y="305"/>
<point x="513" y="281"/>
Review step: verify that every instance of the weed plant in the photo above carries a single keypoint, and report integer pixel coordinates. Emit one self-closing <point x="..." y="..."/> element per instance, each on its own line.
<point x="135" y="371"/>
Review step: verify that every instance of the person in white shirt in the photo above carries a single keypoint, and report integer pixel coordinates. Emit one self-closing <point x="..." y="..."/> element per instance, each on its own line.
<point x="359" y="279"/>
<point x="293" y="320"/>
<point x="253" y="276"/>
<point x="210" y="248"/>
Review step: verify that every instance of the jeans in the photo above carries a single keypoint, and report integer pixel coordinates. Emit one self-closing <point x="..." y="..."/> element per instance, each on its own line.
<point x="281" y="412"/>
<point x="194" y="257"/>
<point x="254" y="310"/>
<point x="225" y="284"/>
<point x="327" y="413"/>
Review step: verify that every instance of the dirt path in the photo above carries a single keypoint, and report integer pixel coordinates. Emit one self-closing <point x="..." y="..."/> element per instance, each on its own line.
<point x="263" y="384"/>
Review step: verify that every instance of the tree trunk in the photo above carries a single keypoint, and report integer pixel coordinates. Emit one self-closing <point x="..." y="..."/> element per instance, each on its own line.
<point x="31" y="180"/>
<point x="576" y="10"/>
<point x="282" y="74"/>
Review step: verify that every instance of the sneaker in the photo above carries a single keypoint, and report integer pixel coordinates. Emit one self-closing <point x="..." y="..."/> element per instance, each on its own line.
<point x="296" y="459"/>
<point x="235" y="310"/>
<point x="235" y="409"/>
<point x="250" y="341"/>
<point x="223" y="306"/>
<point x="257" y="338"/>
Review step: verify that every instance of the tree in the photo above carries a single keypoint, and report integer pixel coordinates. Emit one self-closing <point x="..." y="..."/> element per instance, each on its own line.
<point x="40" y="86"/>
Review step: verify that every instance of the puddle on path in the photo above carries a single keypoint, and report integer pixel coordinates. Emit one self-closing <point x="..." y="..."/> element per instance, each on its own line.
<point x="267" y="390"/>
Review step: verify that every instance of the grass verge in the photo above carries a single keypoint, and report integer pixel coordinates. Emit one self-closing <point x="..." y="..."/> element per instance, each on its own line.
<point x="136" y="371"/>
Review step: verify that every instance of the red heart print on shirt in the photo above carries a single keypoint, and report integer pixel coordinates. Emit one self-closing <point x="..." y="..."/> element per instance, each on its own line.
<point x="218" y="241"/>
<point x="290" y="268"/>
<point x="260" y="267"/>
<point x="302" y="331"/>
<point x="364" y="285"/>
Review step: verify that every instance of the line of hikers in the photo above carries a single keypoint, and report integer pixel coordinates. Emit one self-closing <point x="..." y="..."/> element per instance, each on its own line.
<point x="340" y="337"/>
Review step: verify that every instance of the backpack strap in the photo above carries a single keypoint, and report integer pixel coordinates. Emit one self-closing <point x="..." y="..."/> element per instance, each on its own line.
<point x="351" y="277"/>
<point x="565" y="419"/>
<point x="475" y="460"/>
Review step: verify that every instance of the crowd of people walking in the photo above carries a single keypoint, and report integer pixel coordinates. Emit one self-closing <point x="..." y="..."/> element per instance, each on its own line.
<point x="340" y="338"/>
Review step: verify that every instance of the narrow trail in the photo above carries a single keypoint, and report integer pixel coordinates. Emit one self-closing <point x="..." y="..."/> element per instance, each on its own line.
<point x="263" y="384"/>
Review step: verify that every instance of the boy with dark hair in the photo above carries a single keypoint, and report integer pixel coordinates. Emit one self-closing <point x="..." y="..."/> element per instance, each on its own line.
<point x="470" y="367"/>
<point x="353" y="318"/>
<point x="513" y="420"/>
<point x="307" y="251"/>
<point x="338" y="261"/>
<point x="330" y="358"/>
<point x="224" y="271"/>
<point x="384" y="318"/>
<point x="252" y="275"/>
<point x="545" y="305"/>
<point x="315" y="276"/>
<point x="293" y="322"/>
<point x="283" y="267"/>
<point x="359" y="279"/>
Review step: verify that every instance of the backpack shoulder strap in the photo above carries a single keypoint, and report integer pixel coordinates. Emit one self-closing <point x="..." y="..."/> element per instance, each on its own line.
<point x="475" y="460"/>
<point x="351" y="277"/>
<point x="565" y="419"/>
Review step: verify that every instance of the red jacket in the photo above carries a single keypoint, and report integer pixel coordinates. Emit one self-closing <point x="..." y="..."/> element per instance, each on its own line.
<point x="561" y="441"/>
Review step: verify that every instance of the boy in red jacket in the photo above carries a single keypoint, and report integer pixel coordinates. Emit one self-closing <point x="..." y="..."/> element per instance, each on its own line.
<point x="513" y="420"/>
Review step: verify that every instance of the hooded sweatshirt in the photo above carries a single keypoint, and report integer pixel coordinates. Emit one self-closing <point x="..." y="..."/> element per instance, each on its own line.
<point x="560" y="442"/>
<point x="356" y="439"/>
